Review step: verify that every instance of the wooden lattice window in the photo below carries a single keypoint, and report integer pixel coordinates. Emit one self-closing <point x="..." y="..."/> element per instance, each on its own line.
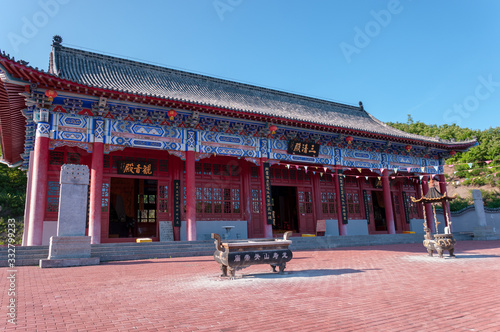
<point x="197" y="168"/>
<point x="351" y="181"/>
<point x="73" y="158"/>
<point x="235" y="170"/>
<point x="353" y="207"/>
<point x="256" y="201"/>
<point x="116" y="161"/>
<point x="226" y="170"/>
<point x="329" y="203"/>
<point x="53" y="191"/>
<point x="235" y="200"/>
<point x="163" y="165"/>
<point x="216" y="169"/>
<point x="56" y="158"/>
<point x="106" y="161"/>
<point x="305" y="201"/>
<point x="217" y="200"/>
<point x="300" y="175"/>
<point x="254" y="172"/>
<point x="207" y="169"/>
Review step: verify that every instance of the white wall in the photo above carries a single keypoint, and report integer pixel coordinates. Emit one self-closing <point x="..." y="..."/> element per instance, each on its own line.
<point x="357" y="227"/>
<point x="332" y="227"/>
<point x="467" y="221"/>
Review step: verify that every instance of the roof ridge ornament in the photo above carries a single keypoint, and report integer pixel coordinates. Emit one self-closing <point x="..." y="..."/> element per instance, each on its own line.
<point x="56" y="41"/>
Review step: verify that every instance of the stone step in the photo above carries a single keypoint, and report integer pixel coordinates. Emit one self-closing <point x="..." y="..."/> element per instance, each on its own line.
<point x="128" y="257"/>
<point x="153" y="247"/>
<point x="134" y="244"/>
<point x="151" y="252"/>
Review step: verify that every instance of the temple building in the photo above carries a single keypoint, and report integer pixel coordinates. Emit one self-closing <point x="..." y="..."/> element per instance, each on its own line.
<point x="176" y="156"/>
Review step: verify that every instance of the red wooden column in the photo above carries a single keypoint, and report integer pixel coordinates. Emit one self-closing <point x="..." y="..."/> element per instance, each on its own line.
<point x="317" y="199"/>
<point x="190" y="197"/>
<point x="446" y="204"/>
<point x="96" y="192"/>
<point x="268" y="229"/>
<point x="389" y="214"/>
<point x="38" y="200"/>
<point x="342" y="226"/>
<point x="27" y="204"/>
<point x="428" y="208"/>
<point x="246" y="197"/>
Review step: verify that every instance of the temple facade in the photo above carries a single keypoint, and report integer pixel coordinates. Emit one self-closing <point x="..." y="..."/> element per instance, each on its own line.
<point x="176" y="156"/>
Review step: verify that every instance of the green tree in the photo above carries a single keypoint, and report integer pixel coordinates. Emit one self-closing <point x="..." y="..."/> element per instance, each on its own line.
<point x="12" y="200"/>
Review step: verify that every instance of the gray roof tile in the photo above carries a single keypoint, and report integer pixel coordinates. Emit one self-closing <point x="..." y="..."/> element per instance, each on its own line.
<point x="107" y="72"/>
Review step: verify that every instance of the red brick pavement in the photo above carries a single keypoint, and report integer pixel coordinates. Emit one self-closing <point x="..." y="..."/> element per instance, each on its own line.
<point x="380" y="288"/>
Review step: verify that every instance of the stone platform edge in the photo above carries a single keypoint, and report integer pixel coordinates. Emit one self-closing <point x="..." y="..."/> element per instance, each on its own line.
<point x="69" y="262"/>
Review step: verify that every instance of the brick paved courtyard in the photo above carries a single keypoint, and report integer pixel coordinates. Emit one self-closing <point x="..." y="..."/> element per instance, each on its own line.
<point x="379" y="288"/>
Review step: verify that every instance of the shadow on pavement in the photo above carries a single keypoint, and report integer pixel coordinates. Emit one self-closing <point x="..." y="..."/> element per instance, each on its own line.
<point x="303" y="274"/>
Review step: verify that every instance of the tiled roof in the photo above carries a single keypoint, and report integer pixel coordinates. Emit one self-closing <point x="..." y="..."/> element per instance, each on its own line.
<point x="107" y="72"/>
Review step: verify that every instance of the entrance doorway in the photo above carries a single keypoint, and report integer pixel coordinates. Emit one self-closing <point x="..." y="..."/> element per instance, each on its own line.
<point x="132" y="208"/>
<point x="379" y="211"/>
<point x="284" y="200"/>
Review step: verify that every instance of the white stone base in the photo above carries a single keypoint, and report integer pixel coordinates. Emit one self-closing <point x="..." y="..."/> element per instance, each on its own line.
<point x="67" y="251"/>
<point x="62" y="247"/>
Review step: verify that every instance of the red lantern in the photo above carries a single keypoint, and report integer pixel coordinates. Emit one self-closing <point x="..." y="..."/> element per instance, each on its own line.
<point x="273" y="129"/>
<point x="171" y="114"/>
<point x="349" y="139"/>
<point x="408" y="148"/>
<point x="452" y="153"/>
<point x="27" y="88"/>
<point x="51" y="94"/>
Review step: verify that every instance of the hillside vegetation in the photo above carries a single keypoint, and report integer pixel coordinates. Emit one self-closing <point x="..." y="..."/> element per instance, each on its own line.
<point x="478" y="168"/>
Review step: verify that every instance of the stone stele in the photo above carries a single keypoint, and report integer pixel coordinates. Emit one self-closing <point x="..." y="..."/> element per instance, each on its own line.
<point x="71" y="247"/>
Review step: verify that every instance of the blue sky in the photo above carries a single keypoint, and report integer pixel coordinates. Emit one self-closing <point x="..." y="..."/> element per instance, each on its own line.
<point x="436" y="60"/>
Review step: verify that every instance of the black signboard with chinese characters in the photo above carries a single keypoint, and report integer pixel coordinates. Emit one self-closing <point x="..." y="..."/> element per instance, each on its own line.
<point x="267" y="192"/>
<point x="367" y="207"/>
<point x="407" y="212"/>
<point x="303" y="148"/>
<point x="134" y="168"/>
<point x="247" y="258"/>
<point x="177" y="203"/>
<point x="343" y="200"/>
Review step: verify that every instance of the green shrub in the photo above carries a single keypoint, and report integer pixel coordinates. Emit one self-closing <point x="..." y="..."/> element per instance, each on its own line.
<point x="479" y="181"/>
<point x="459" y="203"/>
<point x="475" y="172"/>
<point x="467" y="182"/>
